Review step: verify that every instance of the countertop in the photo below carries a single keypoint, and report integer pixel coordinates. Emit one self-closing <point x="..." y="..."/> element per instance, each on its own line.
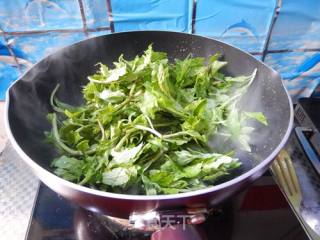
<point x="18" y="187"/>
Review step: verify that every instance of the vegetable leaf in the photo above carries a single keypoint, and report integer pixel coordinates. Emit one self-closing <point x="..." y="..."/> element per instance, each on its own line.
<point x="259" y="116"/>
<point x="116" y="177"/>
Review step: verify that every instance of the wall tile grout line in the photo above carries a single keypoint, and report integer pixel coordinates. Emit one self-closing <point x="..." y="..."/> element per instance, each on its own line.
<point x="294" y="50"/>
<point x="83" y="18"/>
<point x="270" y="30"/>
<point x="98" y="29"/>
<point x="4" y="36"/>
<point x="56" y="31"/>
<point x="256" y="53"/>
<point x="194" y="16"/>
<point x="110" y="15"/>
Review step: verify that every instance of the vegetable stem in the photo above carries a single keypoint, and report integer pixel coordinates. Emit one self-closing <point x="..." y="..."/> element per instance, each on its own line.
<point x="154" y="132"/>
<point x="102" y="130"/>
<point x="175" y="134"/>
<point x="57" y="109"/>
<point x="58" y="140"/>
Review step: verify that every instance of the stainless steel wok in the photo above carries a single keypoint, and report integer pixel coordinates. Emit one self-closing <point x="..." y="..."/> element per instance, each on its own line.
<point x="27" y="105"/>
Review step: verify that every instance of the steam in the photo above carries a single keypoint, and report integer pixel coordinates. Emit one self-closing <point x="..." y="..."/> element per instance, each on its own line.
<point x="70" y="67"/>
<point x="30" y="96"/>
<point x="264" y="95"/>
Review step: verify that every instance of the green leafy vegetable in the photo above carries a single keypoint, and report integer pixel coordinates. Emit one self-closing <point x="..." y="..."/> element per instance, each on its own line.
<point x="145" y="125"/>
<point x="257" y="116"/>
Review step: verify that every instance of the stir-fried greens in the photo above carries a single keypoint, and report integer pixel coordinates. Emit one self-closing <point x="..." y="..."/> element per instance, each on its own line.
<point x="145" y="125"/>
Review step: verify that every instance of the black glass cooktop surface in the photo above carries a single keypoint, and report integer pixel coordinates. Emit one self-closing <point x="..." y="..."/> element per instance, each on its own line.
<point x="260" y="212"/>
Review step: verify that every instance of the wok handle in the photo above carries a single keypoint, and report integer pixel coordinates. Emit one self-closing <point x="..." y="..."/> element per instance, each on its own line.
<point x="307" y="147"/>
<point x="180" y="232"/>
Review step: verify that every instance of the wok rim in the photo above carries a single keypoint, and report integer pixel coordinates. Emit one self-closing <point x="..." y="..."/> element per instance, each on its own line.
<point x="42" y="171"/>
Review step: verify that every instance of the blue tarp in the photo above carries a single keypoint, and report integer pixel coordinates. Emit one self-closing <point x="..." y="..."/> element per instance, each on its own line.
<point x="32" y="29"/>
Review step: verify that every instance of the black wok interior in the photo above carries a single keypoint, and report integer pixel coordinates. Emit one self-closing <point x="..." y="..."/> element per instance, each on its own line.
<point x="29" y="97"/>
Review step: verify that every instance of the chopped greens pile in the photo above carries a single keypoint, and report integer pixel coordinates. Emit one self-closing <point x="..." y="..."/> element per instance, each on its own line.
<point x="145" y="126"/>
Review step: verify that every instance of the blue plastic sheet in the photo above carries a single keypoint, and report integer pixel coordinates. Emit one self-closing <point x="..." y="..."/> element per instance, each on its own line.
<point x="31" y="15"/>
<point x="8" y="74"/>
<point x="96" y="13"/>
<point x="35" y="47"/>
<point x="98" y="33"/>
<point x="298" y="26"/>
<point x="32" y="29"/>
<point x="300" y="71"/>
<point x="152" y="15"/>
<point x="242" y="23"/>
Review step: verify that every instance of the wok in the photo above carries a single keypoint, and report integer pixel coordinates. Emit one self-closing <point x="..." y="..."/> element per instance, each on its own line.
<point x="27" y="105"/>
